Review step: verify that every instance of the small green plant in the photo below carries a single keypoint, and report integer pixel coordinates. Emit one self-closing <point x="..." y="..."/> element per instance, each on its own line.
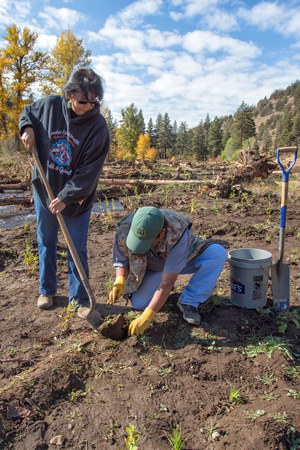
<point x="234" y="396"/>
<point x="215" y="209"/>
<point x="267" y="379"/>
<point x="175" y="439"/>
<point x="193" y="207"/>
<point x="131" y="438"/>
<point x="253" y="415"/>
<point x="213" y="348"/>
<point x="63" y="254"/>
<point x="293" y="393"/>
<point x="270" y="396"/>
<point x="212" y="428"/>
<point x="280" y="417"/>
<point x="73" y="396"/>
<point x="292" y="372"/>
<point x="164" y="371"/>
<point x="30" y="258"/>
<point x="68" y="314"/>
<point x="268" y="346"/>
<point x="268" y="238"/>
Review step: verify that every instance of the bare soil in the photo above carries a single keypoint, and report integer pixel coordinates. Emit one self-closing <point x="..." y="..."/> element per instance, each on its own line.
<point x="63" y="385"/>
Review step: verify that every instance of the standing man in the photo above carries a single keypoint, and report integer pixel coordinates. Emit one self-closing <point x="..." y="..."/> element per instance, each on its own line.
<point x="152" y="247"/>
<point x="72" y="141"/>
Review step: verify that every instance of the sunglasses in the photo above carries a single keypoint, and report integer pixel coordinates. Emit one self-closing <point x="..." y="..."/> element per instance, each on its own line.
<point x="85" y="102"/>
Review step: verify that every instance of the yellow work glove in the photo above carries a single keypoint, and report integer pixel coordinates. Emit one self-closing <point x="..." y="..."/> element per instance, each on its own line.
<point x="139" y="325"/>
<point x="117" y="290"/>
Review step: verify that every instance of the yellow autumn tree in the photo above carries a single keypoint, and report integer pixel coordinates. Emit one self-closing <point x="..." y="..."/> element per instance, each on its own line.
<point x="67" y="54"/>
<point x="21" y="67"/>
<point x="151" y="154"/>
<point x="142" y="146"/>
<point x="5" y="119"/>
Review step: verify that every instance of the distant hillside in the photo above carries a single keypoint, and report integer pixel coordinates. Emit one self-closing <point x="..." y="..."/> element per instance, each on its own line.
<point x="277" y="118"/>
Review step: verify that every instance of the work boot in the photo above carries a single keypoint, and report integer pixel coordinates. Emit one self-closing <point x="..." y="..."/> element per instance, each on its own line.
<point x="82" y="312"/>
<point x="45" y="301"/>
<point x="190" y="313"/>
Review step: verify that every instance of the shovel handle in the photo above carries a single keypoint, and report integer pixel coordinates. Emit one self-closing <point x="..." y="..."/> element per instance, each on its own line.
<point x="66" y="233"/>
<point x="284" y="193"/>
<point x="286" y="172"/>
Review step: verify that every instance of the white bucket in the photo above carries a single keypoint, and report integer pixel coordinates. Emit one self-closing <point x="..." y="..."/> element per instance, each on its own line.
<point x="249" y="275"/>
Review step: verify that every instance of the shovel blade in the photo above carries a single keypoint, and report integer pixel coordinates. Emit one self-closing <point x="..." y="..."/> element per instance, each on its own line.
<point x="280" y="276"/>
<point x="94" y="318"/>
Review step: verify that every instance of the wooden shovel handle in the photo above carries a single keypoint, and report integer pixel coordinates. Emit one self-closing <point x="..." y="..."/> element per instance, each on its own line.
<point x="66" y="233"/>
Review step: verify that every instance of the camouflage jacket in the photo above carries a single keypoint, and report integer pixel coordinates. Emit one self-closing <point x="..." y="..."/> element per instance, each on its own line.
<point x="176" y="224"/>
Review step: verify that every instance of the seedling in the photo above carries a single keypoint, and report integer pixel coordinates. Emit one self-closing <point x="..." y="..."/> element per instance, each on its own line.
<point x="256" y="414"/>
<point x="193" y="207"/>
<point x="132" y="437"/>
<point x="73" y="396"/>
<point x="268" y="379"/>
<point x="213" y="348"/>
<point x="68" y="314"/>
<point x="292" y="372"/>
<point x="280" y="417"/>
<point x="268" y="346"/>
<point x="269" y="397"/>
<point x="30" y="258"/>
<point x="293" y="393"/>
<point x="211" y="429"/>
<point x="175" y="439"/>
<point x="164" y="371"/>
<point x="235" y="397"/>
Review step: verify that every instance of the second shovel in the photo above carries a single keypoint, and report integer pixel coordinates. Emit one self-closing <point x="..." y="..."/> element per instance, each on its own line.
<point x="280" y="272"/>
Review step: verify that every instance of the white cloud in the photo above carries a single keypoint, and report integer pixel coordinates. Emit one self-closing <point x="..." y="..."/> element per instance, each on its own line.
<point x="192" y="8"/>
<point x="67" y="18"/>
<point x="208" y="42"/>
<point x="14" y="11"/>
<point x="138" y="10"/>
<point x="221" y="21"/>
<point x="46" y="41"/>
<point x="273" y="16"/>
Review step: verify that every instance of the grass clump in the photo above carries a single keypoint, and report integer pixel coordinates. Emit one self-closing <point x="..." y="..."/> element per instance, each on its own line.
<point x="175" y="439"/>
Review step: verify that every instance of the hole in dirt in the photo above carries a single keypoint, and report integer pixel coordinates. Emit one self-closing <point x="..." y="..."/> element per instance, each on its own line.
<point x="116" y="328"/>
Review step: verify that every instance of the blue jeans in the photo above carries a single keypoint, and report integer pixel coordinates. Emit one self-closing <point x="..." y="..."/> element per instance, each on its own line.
<point x="47" y="236"/>
<point x="205" y="268"/>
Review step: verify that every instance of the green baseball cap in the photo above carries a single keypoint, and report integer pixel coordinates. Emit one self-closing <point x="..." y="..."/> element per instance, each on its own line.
<point x="146" y="225"/>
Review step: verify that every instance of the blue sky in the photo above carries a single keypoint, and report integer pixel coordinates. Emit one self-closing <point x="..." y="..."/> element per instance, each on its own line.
<point x="184" y="57"/>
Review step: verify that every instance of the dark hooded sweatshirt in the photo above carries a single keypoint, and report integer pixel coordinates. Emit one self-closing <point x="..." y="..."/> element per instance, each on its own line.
<point x="71" y="148"/>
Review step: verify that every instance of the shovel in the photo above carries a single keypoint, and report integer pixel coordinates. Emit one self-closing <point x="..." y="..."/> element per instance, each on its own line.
<point x="280" y="272"/>
<point x="93" y="317"/>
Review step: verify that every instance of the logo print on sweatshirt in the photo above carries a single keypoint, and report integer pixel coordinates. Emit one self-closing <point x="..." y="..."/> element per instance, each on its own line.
<point x="61" y="153"/>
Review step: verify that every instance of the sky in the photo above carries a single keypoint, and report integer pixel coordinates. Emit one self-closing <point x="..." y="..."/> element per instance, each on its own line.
<point x="187" y="58"/>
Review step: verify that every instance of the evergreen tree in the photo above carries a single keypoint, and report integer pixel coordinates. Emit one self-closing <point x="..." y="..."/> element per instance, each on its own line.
<point x="227" y="123"/>
<point x="214" y="142"/>
<point x="158" y="124"/>
<point x="132" y="125"/>
<point x="164" y="139"/>
<point x="243" y="125"/>
<point x="198" y="146"/>
<point x="150" y="131"/>
<point x="112" y="128"/>
<point x="182" y="140"/>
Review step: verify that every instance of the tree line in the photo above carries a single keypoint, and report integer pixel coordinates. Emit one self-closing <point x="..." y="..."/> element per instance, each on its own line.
<point x="24" y="70"/>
